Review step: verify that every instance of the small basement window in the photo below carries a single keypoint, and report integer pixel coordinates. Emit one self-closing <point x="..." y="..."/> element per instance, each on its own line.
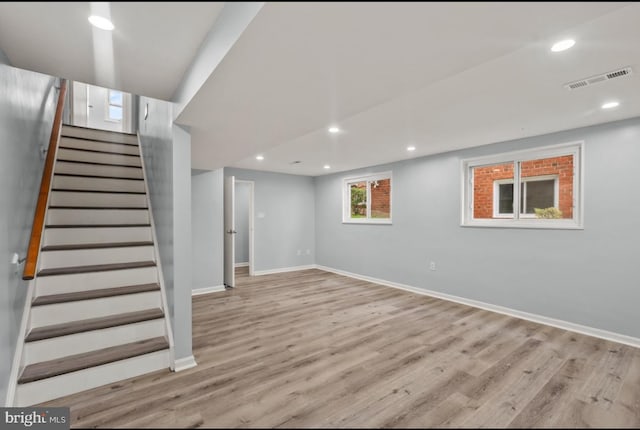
<point x="115" y="106"/>
<point x="367" y="199"/>
<point x="548" y="192"/>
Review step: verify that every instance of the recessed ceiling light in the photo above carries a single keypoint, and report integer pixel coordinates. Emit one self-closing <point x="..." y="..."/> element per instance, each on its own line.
<point x="411" y="148"/>
<point x="334" y="129"/>
<point x="259" y="157"/>
<point x="326" y="166"/>
<point x="563" y="45"/>
<point x="101" y="22"/>
<point x="610" y="105"/>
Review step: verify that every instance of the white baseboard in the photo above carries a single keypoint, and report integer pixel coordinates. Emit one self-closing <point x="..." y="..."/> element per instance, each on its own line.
<point x="207" y="290"/>
<point x="245" y="264"/>
<point x="566" y="325"/>
<point x="185" y="363"/>
<point x="284" y="269"/>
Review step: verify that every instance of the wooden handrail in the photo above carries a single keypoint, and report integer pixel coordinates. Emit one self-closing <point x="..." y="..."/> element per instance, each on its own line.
<point x="45" y="185"/>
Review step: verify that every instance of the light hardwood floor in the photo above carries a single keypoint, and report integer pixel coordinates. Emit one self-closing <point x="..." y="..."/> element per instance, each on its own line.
<point x="315" y="349"/>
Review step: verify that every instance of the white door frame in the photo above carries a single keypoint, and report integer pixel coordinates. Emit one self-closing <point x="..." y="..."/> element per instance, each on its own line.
<point x="251" y="220"/>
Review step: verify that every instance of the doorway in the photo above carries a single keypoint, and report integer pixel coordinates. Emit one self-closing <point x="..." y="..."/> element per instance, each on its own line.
<point x="101" y="108"/>
<point x="238" y="228"/>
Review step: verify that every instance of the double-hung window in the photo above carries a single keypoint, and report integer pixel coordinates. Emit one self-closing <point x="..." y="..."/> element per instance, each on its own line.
<point x="539" y="188"/>
<point x="367" y="199"/>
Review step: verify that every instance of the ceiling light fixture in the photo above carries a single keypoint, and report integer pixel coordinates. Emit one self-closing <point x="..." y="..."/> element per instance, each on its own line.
<point x="259" y="157"/>
<point x="334" y="129"/>
<point x="326" y="166"/>
<point x="610" y="105"/>
<point x="563" y="45"/>
<point x="101" y="22"/>
<point x="411" y="148"/>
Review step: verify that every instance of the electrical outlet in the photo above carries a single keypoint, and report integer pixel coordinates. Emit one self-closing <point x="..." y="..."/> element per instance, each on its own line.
<point x="299" y="252"/>
<point x="432" y="265"/>
<point x="308" y="252"/>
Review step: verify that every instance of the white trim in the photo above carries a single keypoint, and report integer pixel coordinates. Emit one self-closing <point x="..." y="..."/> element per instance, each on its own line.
<point x="185" y="363"/>
<point x="207" y="290"/>
<point x="163" y="290"/>
<point x="245" y="264"/>
<point x="509" y="215"/>
<point x="284" y="269"/>
<point x="540" y="319"/>
<point x="576" y="149"/>
<point x="346" y="198"/>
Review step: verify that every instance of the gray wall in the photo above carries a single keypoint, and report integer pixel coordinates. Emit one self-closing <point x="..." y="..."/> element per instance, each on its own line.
<point x="4" y="59"/>
<point x="585" y="276"/>
<point x="182" y="262"/>
<point x="27" y="107"/>
<point x="156" y="138"/>
<point x="242" y="222"/>
<point x="206" y="228"/>
<point x="284" y="218"/>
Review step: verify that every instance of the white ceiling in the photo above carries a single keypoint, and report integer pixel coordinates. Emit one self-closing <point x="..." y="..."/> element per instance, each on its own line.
<point x="147" y="53"/>
<point x="442" y="76"/>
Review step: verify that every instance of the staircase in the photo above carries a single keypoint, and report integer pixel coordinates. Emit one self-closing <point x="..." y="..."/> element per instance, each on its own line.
<point x="98" y="310"/>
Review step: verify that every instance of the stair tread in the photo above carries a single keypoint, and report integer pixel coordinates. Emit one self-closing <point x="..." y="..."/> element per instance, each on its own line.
<point x="120" y="208"/>
<point x="91" y="139"/>
<point x="98" y="191"/>
<point x="94" y="294"/>
<point x="94" y="225"/>
<point x="124" y="133"/>
<point x="79" y="175"/>
<point x="71" y="148"/>
<point x="98" y="164"/>
<point x="94" y="268"/>
<point x="81" y="326"/>
<point x="73" y="363"/>
<point x="95" y="246"/>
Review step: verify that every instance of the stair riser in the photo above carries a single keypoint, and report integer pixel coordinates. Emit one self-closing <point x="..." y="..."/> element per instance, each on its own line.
<point x="85" y="309"/>
<point x="101" y="200"/>
<point x="62" y="284"/>
<point x="96" y="157"/>
<point x="97" y="170"/>
<point x="57" y="347"/>
<point x="78" y="236"/>
<point x="98" y="184"/>
<point x="87" y="133"/>
<point x="63" y="385"/>
<point x="97" y="216"/>
<point x="98" y="146"/>
<point x="88" y="257"/>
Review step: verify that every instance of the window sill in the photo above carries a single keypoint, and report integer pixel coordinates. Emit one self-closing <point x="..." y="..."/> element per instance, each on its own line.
<point x="526" y="223"/>
<point x="367" y="221"/>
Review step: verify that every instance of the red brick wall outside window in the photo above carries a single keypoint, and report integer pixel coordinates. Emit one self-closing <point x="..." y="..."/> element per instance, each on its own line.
<point x="485" y="176"/>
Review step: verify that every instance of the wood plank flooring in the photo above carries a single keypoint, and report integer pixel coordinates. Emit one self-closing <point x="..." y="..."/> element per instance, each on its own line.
<point x="315" y="349"/>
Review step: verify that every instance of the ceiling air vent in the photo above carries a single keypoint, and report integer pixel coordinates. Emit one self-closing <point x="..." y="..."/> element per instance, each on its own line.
<point x="626" y="71"/>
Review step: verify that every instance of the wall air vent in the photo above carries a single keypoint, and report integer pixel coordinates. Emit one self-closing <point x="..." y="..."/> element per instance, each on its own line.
<point x="625" y="71"/>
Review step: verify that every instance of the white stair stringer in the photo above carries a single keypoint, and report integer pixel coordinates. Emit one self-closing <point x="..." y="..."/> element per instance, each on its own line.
<point x="98" y="310"/>
<point x="63" y="385"/>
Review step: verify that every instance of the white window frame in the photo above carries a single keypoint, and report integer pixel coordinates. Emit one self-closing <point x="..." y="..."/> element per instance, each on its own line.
<point x="346" y="198"/>
<point x="576" y="149"/>
<point x="496" y="194"/>
<point x="109" y="104"/>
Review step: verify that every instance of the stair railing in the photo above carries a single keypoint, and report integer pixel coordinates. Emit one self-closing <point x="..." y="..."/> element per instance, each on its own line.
<point x="45" y="186"/>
